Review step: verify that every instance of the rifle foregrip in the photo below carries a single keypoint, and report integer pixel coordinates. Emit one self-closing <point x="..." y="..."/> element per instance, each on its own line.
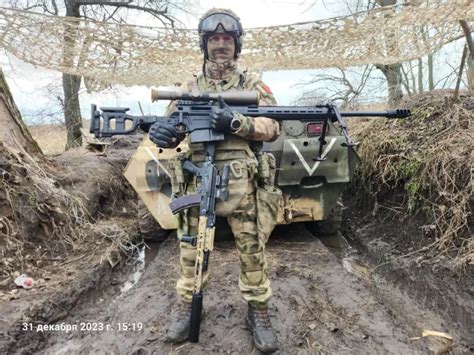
<point x="196" y="311"/>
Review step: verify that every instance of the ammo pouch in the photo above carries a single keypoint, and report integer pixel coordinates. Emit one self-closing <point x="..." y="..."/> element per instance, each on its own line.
<point x="269" y="211"/>
<point x="242" y="171"/>
<point x="179" y="177"/>
<point x="269" y="197"/>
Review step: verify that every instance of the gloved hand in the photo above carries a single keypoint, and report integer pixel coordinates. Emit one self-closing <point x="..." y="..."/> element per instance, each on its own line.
<point x="222" y="116"/>
<point x="163" y="134"/>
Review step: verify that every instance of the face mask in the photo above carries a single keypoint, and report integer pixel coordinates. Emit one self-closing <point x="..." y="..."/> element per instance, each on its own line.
<point x="221" y="47"/>
<point x="220" y="71"/>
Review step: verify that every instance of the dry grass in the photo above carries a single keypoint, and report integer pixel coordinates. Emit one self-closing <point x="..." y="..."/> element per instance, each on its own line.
<point x="34" y="207"/>
<point x="430" y="156"/>
<point x="42" y="218"/>
<point x="50" y="138"/>
<point x="114" y="238"/>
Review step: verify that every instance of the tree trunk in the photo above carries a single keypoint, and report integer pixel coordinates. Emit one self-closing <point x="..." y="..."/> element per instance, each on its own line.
<point x="430" y="72"/>
<point x="14" y="134"/>
<point x="72" y="110"/>
<point x="470" y="59"/>
<point x="406" y="81"/>
<point x="392" y="73"/>
<point x="412" y="77"/>
<point x="71" y="85"/>
<point x="420" y="75"/>
<point x="461" y="68"/>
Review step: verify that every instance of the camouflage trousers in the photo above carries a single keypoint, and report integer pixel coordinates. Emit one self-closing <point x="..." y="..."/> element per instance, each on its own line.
<point x="253" y="279"/>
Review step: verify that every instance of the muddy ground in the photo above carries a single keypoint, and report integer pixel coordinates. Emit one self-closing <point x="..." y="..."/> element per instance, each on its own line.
<point x="329" y="297"/>
<point x="364" y="290"/>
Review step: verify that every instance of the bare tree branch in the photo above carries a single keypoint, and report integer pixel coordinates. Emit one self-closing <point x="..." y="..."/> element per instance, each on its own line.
<point x="55" y="7"/>
<point x="346" y="86"/>
<point x="110" y="15"/>
<point x="406" y="82"/>
<point x="102" y="2"/>
<point x="446" y="78"/>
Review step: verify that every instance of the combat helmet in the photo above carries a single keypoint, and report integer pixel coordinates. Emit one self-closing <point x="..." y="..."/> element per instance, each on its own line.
<point x="220" y="21"/>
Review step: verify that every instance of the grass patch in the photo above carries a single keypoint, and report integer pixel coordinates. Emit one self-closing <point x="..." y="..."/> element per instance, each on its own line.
<point x="429" y="156"/>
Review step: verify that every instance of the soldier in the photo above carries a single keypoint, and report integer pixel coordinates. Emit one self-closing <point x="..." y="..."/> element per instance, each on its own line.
<point x="220" y="33"/>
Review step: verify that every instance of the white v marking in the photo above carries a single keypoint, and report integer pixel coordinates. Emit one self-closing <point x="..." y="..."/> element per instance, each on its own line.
<point x="150" y="153"/>
<point x="302" y="159"/>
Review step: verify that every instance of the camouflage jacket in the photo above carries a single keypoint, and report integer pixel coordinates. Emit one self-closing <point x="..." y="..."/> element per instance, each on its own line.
<point x="253" y="130"/>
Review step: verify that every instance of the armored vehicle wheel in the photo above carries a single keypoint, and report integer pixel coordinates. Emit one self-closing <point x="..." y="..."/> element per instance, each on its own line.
<point x="331" y="224"/>
<point x="150" y="229"/>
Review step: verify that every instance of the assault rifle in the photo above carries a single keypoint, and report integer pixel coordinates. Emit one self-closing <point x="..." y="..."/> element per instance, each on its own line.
<point x="193" y="116"/>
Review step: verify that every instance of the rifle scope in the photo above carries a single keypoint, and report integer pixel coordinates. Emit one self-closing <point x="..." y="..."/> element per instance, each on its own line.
<point x="243" y="98"/>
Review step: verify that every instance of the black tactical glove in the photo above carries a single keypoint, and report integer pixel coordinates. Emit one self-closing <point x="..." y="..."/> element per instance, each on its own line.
<point x="222" y="117"/>
<point x="163" y="134"/>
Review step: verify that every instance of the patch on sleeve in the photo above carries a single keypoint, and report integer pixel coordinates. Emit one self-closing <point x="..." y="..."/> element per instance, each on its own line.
<point x="267" y="89"/>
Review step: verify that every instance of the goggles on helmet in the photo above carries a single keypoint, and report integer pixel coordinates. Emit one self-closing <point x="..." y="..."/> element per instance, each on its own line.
<point x="215" y="21"/>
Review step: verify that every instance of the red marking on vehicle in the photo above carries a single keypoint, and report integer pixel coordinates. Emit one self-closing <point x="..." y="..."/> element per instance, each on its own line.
<point x="315" y="129"/>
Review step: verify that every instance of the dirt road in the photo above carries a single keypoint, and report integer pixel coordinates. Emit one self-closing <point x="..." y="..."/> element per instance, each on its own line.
<point x="326" y="300"/>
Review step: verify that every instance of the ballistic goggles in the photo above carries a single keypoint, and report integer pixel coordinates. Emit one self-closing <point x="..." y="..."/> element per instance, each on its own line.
<point x="214" y="22"/>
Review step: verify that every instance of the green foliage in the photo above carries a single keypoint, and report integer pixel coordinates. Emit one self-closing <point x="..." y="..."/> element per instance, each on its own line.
<point x="414" y="195"/>
<point x="400" y="141"/>
<point x="422" y="113"/>
<point x="409" y="168"/>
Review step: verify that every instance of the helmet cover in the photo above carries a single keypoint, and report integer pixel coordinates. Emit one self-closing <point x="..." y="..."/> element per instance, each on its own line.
<point x="220" y="21"/>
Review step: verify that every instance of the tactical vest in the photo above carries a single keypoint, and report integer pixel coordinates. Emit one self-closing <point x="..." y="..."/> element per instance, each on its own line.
<point x="233" y="147"/>
<point x="237" y="152"/>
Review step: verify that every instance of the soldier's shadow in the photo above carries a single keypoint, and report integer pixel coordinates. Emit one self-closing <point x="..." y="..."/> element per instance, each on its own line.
<point x="295" y="232"/>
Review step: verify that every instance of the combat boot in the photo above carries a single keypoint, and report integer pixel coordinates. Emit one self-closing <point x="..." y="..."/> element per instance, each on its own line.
<point x="264" y="337"/>
<point x="178" y="330"/>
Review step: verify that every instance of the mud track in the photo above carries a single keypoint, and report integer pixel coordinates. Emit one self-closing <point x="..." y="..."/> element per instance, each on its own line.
<point x="325" y="300"/>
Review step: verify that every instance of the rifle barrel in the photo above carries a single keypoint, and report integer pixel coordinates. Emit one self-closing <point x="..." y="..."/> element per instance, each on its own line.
<point x="395" y="113"/>
<point x="307" y="113"/>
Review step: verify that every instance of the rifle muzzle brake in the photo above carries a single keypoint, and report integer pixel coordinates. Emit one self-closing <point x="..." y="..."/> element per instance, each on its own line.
<point x="398" y="113"/>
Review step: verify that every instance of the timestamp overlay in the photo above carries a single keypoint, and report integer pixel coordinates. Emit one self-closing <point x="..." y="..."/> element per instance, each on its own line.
<point x="64" y="327"/>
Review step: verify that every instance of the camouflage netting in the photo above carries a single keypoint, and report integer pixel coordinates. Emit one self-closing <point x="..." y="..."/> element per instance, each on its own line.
<point x="134" y="55"/>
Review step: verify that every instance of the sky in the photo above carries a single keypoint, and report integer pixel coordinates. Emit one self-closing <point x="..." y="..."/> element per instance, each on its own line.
<point x="35" y="89"/>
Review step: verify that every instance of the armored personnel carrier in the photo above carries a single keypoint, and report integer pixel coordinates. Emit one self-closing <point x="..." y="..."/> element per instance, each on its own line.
<point x="315" y="157"/>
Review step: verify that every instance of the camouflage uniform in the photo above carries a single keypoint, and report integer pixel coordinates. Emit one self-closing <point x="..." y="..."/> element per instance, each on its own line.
<point x="238" y="150"/>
